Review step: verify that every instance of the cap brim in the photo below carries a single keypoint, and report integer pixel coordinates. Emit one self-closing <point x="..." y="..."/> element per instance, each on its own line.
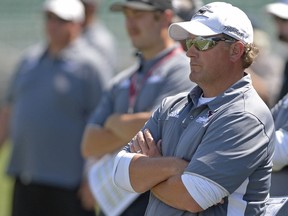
<point x="59" y="13"/>
<point x="278" y="9"/>
<point x="119" y="6"/>
<point x="182" y="30"/>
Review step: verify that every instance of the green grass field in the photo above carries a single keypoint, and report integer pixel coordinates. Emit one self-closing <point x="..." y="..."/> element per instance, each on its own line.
<point x="5" y="183"/>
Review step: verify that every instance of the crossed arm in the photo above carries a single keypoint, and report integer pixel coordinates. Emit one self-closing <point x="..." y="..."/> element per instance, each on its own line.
<point x="162" y="175"/>
<point x="117" y="131"/>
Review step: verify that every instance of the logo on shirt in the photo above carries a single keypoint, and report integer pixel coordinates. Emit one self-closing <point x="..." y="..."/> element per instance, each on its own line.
<point x="204" y="119"/>
<point x="61" y="83"/>
<point x="174" y="114"/>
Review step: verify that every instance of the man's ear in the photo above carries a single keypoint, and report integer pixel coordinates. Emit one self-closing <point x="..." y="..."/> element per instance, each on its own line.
<point x="236" y="51"/>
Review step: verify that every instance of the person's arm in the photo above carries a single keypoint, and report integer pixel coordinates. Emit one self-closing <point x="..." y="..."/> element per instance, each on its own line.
<point x="280" y="157"/>
<point x="98" y="141"/>
<point x="117" y="131"/>
<point x="182" y="191"/>
<point x="125" y="126"/>
<point x="181" y="198"/>
<point x="163" y="184"/>
<point x="4" y="123"/>
<point x="145" y="169"/>
<point x="161" y="175"/>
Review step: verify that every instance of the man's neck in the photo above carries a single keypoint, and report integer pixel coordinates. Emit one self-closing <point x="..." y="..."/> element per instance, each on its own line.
<point x="55" y="48"/>
<point x="155" y="50"/>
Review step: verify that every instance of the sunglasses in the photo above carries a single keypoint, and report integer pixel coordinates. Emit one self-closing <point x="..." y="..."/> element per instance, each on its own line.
<point x="203" y="44"/>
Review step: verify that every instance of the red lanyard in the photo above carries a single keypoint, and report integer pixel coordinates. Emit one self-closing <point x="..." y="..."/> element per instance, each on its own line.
<point x="135" y="88"/>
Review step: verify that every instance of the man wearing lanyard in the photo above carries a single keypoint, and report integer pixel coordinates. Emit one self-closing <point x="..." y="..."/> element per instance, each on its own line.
<point x="162" y="70"/>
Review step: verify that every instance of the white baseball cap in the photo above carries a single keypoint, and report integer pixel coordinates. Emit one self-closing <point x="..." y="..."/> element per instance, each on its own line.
<point x="279" y="9"/>
<point x="70" y="10"/>
<point x="215" y="18"/>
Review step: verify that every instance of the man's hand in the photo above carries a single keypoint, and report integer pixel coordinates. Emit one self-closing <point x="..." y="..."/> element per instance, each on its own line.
<point x="86" y="197"/>
<point x="143" y="143"/>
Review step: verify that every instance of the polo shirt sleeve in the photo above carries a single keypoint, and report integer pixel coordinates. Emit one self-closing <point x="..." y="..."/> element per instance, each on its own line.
<point x="9" y="94"/>
<point x="233" y="147"/>
<point x="103" y="110"/>
<point x="95" y="86"/>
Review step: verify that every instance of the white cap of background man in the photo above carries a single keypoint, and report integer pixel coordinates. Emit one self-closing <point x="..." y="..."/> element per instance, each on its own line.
<point x="215" y="18"/>
<point x="70" y="10"/>
<point x="279" y="9"/>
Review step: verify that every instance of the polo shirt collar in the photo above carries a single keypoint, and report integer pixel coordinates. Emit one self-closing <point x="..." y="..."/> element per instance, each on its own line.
<point x="234" y="91"/>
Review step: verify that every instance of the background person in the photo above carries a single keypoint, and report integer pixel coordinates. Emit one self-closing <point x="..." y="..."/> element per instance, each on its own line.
<point x="54" y="89"/>
<point x="279" y="12"/>
<point x="185" y="9"/>
<point x="267" y="69"/>
<point x="162" y="69"/>
<point x="96" y="33"/>
<point x="280" y="157"/>
<point x="195" y="154"/>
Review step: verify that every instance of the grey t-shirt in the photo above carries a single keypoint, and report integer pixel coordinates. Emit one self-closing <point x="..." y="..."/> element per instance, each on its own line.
<point x="51" y="99"/>
<point x="228" y="141"/>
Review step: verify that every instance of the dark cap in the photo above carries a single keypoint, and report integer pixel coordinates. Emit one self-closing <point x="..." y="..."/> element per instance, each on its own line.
<point x="185" y="9"/>
<point x="147" y="5"/>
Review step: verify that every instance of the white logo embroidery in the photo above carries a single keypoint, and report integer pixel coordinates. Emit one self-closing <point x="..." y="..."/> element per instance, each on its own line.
<point x="174" y="114"/>
<point x="202" y="119"/>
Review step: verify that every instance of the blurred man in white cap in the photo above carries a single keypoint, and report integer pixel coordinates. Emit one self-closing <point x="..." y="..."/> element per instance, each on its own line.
<point x="207" y="152"/>
<point x="97" y="34"/>
<point x="53" y="91"/>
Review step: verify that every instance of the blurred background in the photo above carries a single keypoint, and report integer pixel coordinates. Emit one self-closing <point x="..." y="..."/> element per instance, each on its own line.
<point x="21" y="25"/>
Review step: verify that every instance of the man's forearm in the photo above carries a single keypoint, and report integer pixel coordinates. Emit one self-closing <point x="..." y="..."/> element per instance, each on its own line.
<point x="174" y="193"/>
<point x="147" y="172"/>
<point x="127" y="125"/>
<point x="97" y="142"/>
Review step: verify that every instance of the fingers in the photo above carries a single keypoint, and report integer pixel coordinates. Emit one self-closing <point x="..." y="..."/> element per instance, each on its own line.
<point x="159" y="146"/>
<point x="138" y="144"/>
<point x="149" y="139"/>
<point x="131" y="145"/>
<point x="143" y="143"/>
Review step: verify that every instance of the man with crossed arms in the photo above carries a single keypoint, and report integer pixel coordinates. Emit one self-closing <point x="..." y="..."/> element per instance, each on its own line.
<point x="209" y="150"/>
